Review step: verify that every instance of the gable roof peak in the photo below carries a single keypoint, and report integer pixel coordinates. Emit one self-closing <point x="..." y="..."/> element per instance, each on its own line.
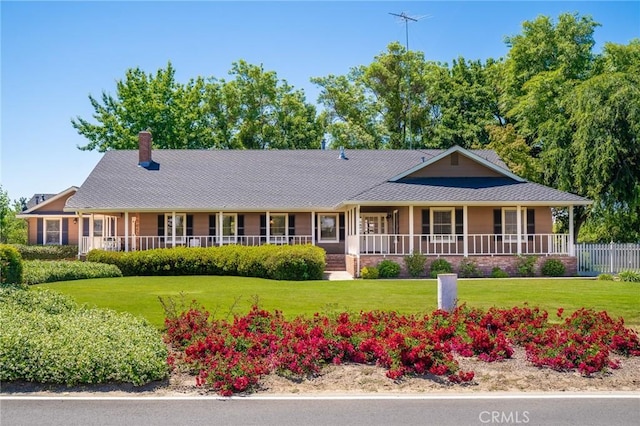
<point x="467" y="153"/>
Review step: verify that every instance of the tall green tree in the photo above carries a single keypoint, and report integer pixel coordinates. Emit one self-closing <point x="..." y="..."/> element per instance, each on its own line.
<point x="256" y="110"/>
<point x="467" y="101"/>
<point x="577" y="113"/>
<point x="402" y="101"/>
<point x="12" y="229"/>
<point x="173" y="112"/>
<point x="547" y="45"/>
<point x="252" y="110"/>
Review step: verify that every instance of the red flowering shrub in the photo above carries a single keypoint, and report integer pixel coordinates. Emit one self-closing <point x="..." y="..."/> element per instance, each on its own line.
<point x="189" y="326"/>
<point x="232" y="356"/>
<point x="583" y="342"/>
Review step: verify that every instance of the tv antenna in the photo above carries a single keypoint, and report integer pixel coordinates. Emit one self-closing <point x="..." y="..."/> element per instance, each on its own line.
<point x="406" y="18"/>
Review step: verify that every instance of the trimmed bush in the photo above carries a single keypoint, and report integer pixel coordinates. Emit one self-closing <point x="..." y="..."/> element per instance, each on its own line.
<point x="369" y="273"/>
<point x="388" y="269"/>
<point x="526" y="265"/>
<point x="296" y="262"/>
<point x="10" y="265"/>
<point x="439" y="266"/>
<point x="629" y="276"/>
<point x="605" y="277"/>
<point x="47" y="338"/>
<point x="48" y="271"/>
<point x="415" y="263"/>
<point x="469" y="269"/>
<point x="47" y="252"/>
<point x="552" y="268"/>
<point x="497" y="272"/>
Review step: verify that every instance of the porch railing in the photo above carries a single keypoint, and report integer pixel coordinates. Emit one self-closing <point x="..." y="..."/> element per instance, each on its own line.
<point x="151" y="242"/>
<point x="477" y="244"/>
<point x="399" y="244"/>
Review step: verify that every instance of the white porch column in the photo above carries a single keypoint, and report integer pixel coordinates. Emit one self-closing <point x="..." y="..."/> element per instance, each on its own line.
<point x="173" y="229"/>
<point x="219" y="230"/>
<point x="126" y="231"/>
<point x="313" y="228"/>
<point x="267" y="225"/>
<point x="465" y="230"/>
<point x="571" y="248"/>
<point x="357" y="240"/>
<point x="411" y="229"/>
<point x="91" y="237"/>
<point x="347" y="230"/>
<point x="519" y="231"/>
<point x="81" y="248"/>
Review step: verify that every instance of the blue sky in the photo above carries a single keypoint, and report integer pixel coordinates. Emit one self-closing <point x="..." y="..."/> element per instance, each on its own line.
<point x="55" y="54"/>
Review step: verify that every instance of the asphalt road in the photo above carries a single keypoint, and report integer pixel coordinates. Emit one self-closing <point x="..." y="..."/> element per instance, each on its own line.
<point x="617" y="409"/>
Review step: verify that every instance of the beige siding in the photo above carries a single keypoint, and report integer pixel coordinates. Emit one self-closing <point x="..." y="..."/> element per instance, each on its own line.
<point x="465" y="168"/>
<point x="303" y="223"/>
<point x="52" y="208"/>
<point x="148" y="224"/>
<point x="32" y="230"/>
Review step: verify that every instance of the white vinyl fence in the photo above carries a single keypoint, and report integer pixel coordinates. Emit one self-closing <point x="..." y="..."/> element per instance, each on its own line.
<point x="594" y="259"/>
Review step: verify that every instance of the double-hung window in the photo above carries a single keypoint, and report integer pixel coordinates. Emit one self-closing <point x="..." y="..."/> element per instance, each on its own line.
<point x="53" y="231"/>
<point x="443" y="225"/>
<point x="328" y="228"/>
<point x="510" y="224"/>
<point x="278" y="228"/>
<point x="229" y="227"/>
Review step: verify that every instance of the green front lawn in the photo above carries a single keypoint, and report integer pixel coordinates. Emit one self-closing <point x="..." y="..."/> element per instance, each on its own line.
<point x="139" y="295"/>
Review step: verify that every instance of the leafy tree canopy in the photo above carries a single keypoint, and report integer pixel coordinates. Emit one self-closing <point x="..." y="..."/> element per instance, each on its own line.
<point x="12" y="229"/>
<point x="252" y="110"/>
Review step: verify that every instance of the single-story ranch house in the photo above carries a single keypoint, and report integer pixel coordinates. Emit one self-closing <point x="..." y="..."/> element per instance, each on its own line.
<point x="360" y="206"/>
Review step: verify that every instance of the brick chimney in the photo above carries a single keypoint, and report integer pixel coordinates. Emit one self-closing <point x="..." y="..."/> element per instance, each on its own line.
<point x="144" y="149"/>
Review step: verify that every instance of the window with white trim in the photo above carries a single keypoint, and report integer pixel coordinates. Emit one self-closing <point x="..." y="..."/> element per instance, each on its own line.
<point x="229" y="225"/>
<point x="442" y="224"/>
<point x="328" y="228"/>
<point x="98" y="227"/>
<point x="510" y="223"/>
<point x="53" y="231"/>
<point x="278" y="225"/>
<point x="179" y="228"/>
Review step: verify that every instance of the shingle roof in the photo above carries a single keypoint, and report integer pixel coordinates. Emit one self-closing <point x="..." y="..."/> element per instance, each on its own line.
<point x="228" y="180"/>
<point x="464" y="190"/>
<point x="37" y="199"/>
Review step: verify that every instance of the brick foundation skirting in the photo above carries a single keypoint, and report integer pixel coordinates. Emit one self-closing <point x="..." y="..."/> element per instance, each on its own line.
<point x="485" y="263"/>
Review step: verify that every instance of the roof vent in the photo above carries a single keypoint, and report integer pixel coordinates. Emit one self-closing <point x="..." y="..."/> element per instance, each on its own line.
<point x="323" y="144"/>
<point x="342" y="155"/>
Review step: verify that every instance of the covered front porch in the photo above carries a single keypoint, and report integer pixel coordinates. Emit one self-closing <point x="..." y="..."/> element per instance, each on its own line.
<point x="459" y="230"/>
<point x="467" y="230"/>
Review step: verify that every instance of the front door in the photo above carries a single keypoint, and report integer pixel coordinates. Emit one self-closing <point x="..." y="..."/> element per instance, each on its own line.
<point x="374" y="236"/>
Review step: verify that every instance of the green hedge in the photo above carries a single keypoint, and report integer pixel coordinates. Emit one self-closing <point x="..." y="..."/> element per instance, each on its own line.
<point x="10" y="265"/>
<point x="297" y="262"/>
<point x="48" y="271"/>
<point x="47" y="338"/>
<point x="47" y="252"/>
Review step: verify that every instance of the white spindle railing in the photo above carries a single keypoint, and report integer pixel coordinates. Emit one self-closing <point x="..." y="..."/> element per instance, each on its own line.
<point x="398" y="244"/>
